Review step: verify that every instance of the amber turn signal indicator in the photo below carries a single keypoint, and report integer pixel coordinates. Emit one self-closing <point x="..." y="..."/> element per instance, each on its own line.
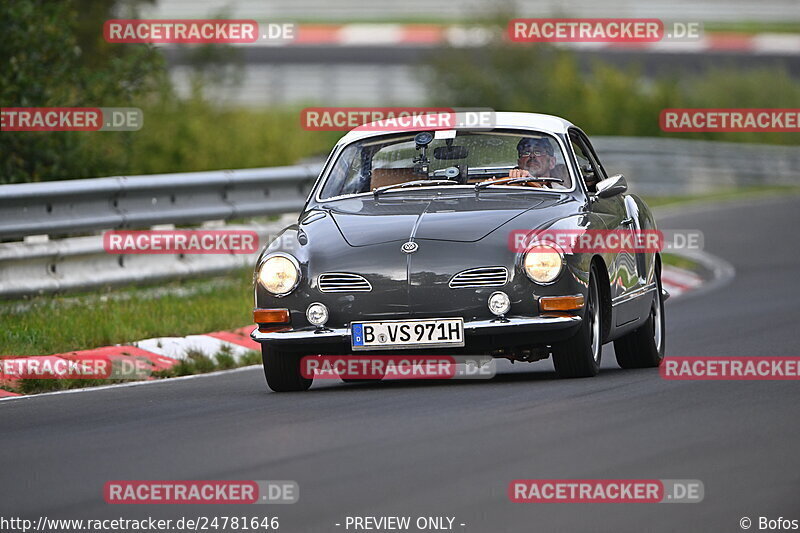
<point x="561" y="303"/>
<point x="271" y="316"/>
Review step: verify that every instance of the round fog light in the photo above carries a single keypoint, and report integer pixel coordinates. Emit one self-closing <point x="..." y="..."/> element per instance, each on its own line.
<point x="317" y="314"/>
<point x="499" y="303"/>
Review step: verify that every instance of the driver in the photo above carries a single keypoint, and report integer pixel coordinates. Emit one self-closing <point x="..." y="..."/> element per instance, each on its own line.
<point x="536" y="158"/>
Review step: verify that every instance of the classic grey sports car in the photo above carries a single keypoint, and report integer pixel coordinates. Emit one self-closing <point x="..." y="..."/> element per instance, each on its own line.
<point x="420" y="242"/>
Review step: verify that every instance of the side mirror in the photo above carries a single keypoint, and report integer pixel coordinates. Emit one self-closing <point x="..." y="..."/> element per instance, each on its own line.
<point x="612" y="186"/>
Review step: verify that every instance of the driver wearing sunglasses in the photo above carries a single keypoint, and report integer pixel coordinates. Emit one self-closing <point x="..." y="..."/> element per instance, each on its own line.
<point x="536" y="158"/>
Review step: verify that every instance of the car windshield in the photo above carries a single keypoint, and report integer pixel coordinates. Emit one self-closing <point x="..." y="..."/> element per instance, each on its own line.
<point x="465" y="157"/>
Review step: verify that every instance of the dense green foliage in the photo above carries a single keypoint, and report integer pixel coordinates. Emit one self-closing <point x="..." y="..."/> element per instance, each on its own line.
<point x="605" y="100"/>
<point x="54" y="55"/>
<point x="181" y="136"/>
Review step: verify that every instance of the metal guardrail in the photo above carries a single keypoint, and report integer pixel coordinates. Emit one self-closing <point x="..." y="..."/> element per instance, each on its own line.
<point x="81" y="263"/>
<point x="658" y="166"/>
<point x="75" y="206"/>
<point x="653" y="166"/>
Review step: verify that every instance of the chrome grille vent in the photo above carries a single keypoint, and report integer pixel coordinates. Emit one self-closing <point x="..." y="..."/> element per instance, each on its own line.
<point x="343" y="282"/>
<point x="480" y="277"/>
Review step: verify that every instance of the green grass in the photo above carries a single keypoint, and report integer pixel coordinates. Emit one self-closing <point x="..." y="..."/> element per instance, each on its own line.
<point x="753" y="27"/>
<point x="46" y="324"/>
<point x="195" y="363"/>
<point x="199" y="363"/>
<point x="678" y="261"/>
<point x="36" y="386"/>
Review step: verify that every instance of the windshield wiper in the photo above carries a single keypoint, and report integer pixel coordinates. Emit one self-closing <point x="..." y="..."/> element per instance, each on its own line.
<point x="415" y="183"/>
<point x="507" y="181"/>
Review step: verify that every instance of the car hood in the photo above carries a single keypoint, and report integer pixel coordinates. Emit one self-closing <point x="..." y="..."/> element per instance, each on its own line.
<point x="366" y="221"/>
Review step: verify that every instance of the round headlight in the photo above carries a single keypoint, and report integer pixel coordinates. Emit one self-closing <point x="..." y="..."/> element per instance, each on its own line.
<point x="317" y="314"/>
<point x="279" y="274"/>
<point x="543" y="263"/>
<point x="499" y="303"/>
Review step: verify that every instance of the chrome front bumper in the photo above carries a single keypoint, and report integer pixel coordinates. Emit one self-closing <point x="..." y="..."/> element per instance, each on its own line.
<point x="310" y="335"/>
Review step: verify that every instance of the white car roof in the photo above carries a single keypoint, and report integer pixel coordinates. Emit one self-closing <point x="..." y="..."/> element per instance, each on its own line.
<point x="503" y="119"/>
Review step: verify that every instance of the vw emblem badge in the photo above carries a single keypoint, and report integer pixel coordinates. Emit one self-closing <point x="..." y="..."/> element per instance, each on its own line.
<point x="409" y="247"/>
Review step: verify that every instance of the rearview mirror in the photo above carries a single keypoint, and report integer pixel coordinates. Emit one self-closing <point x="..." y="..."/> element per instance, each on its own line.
<point x="612" y="186"/>
<point x="450" y="152"/>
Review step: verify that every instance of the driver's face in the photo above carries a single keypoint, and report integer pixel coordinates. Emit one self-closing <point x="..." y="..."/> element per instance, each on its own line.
<point x="537" y="165"/>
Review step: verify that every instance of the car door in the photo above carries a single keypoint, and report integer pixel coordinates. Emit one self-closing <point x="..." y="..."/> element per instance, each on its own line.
<point x="623" y="268"/>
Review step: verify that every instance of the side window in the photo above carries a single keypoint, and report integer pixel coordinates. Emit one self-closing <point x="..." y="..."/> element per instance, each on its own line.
<point x="346" y="175"/>
<point x="590" y="169"/>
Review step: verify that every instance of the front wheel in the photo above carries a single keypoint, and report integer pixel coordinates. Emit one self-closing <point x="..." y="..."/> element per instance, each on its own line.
<point x="579" y="356"/>
<point x="282" y="370"/>
<point x="644" y="346"/>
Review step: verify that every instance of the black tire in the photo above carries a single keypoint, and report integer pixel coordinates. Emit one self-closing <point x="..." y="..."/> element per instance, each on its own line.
<point x="579" y="356"/>
<point x="644" y="346"/>
<point x="282" y="370"/>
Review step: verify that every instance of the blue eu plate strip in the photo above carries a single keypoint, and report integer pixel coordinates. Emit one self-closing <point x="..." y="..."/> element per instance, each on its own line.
<point x="358" y="335"/>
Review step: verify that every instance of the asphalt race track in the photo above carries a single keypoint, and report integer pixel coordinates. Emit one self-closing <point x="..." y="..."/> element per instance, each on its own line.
<point x="451" y="448"/>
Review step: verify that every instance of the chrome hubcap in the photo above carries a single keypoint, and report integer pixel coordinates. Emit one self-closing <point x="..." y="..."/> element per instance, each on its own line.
<point x="657" y="333"/>
<point x="594" y="317"/>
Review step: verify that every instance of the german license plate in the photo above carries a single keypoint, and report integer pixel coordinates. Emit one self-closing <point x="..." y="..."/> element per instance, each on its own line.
<point x="435" y="332"/>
